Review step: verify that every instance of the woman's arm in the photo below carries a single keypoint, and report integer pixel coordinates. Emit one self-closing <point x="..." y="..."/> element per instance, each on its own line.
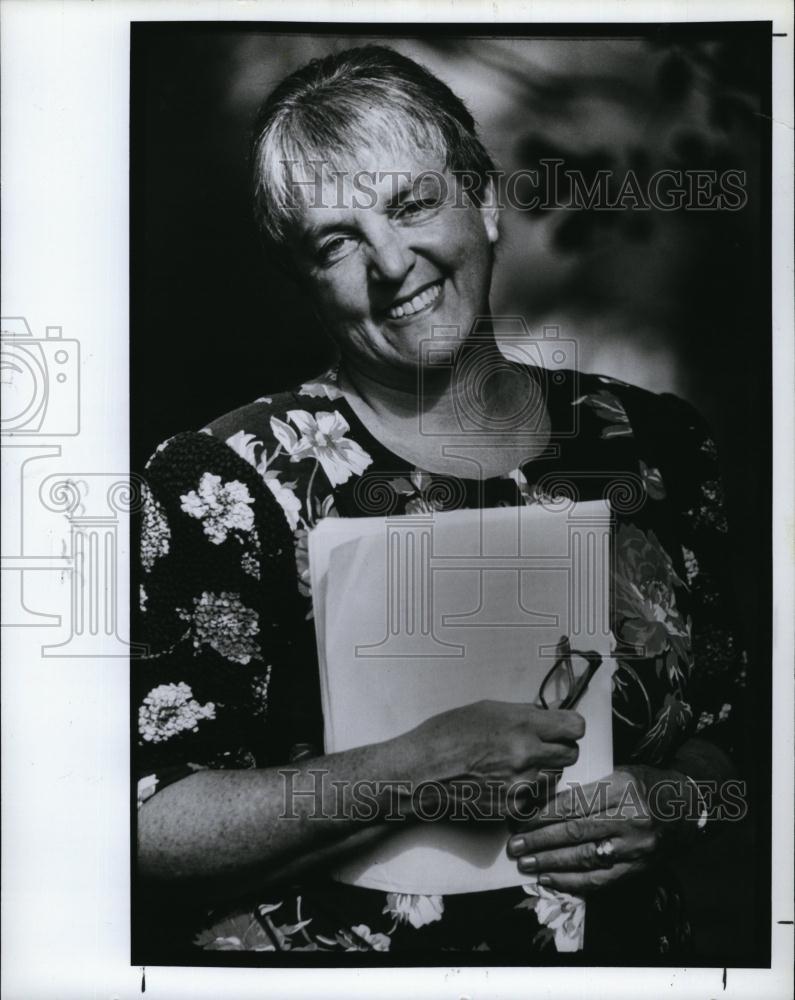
<point x="230" y="685"/>
<point x="233" y="826"/>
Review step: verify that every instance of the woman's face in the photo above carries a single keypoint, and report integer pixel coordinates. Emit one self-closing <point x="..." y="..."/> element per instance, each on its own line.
<point x="392" y="259"/>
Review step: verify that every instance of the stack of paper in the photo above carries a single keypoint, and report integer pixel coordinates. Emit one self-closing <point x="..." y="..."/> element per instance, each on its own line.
<point x="419" y="614"/>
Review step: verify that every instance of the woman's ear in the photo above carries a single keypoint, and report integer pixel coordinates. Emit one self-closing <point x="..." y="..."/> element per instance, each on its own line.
<point x="490" y="212"/>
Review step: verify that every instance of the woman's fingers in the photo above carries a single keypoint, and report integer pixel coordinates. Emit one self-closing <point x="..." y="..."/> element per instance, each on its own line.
<point x="555" y="755"/>
<point x="580" y="883"/>
<point x="584" y="839"/>
<point x="584" y="800"/>
<point x="564" y="834"/>
<point x="583" y="857"/>
<point x="556" y="725"/>
<point x="553" y="736"/>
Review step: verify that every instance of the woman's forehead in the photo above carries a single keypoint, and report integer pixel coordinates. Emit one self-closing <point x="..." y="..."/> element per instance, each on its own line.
<point x="371" y="179"/>
<point x="374" y="167"/>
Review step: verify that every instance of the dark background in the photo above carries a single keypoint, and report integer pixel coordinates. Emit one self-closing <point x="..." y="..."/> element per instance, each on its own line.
<point x="676" y="301"/>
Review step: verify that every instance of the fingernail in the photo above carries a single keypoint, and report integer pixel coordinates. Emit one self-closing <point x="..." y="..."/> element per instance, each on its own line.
<point x="544" y="880"/>
<point x="516" y="845"/>
<point x="528" y="864"/>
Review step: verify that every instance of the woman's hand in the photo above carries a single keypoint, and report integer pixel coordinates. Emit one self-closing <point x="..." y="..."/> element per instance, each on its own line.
<point x="500" y="748"/>
<point x="592" y="837"/>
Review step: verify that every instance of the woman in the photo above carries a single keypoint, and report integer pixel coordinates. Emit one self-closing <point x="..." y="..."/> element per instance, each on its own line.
<point x="375" y="191"/>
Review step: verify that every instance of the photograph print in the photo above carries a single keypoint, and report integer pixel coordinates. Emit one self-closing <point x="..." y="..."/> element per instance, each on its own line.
<point x="451" y="395"/>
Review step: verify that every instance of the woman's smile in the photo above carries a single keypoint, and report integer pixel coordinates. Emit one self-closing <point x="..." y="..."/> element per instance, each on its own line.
<point x="407" y="308"/>
<point x="382" y="274"/>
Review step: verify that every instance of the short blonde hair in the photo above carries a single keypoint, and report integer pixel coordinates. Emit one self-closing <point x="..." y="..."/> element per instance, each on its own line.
<point x="333" y="108"/>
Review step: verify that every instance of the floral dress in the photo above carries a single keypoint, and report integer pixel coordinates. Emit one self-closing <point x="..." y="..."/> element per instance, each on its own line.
<point x="230" y="679"/>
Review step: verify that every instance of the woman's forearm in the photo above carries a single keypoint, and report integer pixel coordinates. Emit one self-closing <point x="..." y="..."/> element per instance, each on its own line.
<point x="261" y="825"/>
<point x="270" y="823"/>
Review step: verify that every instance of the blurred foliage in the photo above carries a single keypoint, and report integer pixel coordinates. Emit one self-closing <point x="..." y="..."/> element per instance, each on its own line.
<point x="673" y="301"/>
<point x="649" y="296"/>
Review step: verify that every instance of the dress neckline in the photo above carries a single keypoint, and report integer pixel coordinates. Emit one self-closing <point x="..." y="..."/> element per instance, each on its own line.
<point x="558" y="396"/>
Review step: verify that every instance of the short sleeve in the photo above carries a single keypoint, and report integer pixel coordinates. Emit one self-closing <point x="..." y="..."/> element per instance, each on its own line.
<point x="229" y="677"/>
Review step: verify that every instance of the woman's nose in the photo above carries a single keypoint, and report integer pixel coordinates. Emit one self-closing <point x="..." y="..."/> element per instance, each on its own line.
<point x="390" y="257"/>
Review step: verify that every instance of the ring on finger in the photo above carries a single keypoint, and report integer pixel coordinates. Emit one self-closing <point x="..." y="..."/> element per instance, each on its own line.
<point x="605" y="851"/>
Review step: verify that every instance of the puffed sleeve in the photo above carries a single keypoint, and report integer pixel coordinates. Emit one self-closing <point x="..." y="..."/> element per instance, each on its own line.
<point x="229" y="677"/>
<point x="717" y="687"/>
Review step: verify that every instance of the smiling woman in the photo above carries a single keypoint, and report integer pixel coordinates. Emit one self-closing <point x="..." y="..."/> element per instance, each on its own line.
<point x="381" y="274"/>
<point x="375" y="193"/>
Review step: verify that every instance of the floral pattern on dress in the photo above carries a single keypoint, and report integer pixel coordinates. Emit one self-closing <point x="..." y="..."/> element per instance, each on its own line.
<point x="361" y="938"/>
<point x="415" y="489"/>
<point x="646" y="614"/>
<point x="302" y="562"/>
<point x="284" y="494"/>
<point x="146" y="788"/>
<point x="249" y="561"/>
<point x="222" y="622"/>
<point x="322" y="437"/>
<point x="609" y="408"/>
<point x="561" y="915"/>
<point x="301" y="457"/>
<point x="260" y="690"/>
<point x="652" y="481"/>
<point x="708" y="718"/>
<point x="265" y="930"/>
<point x="168" y="710"/>
<point x="258" y="931"/>
<point x="669" y="726"/>
<point x="324" y="387"/>
<point x="221" y="507"/>
<point x="410" y="908"/>
<point x="533" y="494"/>
<point x="709" y="511"/>
<point x="155" y="532"/>
<point x="692" y="568"/>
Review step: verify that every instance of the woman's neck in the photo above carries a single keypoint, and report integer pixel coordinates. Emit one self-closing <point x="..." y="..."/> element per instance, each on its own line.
<point x="436" y="414"/>
<point x="434" y="393"/>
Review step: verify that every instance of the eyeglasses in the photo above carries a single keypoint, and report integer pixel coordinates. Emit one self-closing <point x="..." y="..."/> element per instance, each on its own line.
<point x="568" y="678"/>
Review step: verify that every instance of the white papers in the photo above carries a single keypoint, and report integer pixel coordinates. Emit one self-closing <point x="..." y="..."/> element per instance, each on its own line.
<point x="419" y="614"/>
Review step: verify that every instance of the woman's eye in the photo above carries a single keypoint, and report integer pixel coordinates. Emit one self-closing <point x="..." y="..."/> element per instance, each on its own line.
<point x="334" y="248"/>
<point x="419" y="205"/>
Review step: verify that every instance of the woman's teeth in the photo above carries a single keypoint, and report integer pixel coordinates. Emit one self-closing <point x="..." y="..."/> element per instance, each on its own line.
<point x="420" y="301"/>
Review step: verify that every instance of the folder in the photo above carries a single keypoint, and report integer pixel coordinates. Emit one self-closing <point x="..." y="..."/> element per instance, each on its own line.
<point x="422" y="613"/>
